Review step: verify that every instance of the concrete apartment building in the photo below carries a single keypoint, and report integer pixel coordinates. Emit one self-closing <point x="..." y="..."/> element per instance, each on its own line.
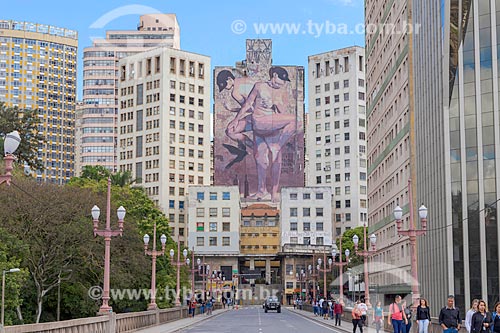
<point x="97" y="134"/>
<point x="388" y="116"/>
<point x="336" y="132"/>
<point x="164" y="126"/>
<point x="456" y="148"/>
<point x="214" y="226"/>
<point x="38" y="71"/>
<point x="306" y="231"/>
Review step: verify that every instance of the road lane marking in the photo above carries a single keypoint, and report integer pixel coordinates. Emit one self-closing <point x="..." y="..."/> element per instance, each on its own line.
<point x="314" y="321"/>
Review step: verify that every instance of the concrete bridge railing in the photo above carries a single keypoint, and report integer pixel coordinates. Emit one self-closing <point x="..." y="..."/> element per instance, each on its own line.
<point x="112" y="323"/>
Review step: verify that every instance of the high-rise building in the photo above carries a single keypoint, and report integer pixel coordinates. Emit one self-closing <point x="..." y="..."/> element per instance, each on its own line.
<point x="38" y="72"/>
<point x="457" y="131"/>
<point x="388" y="85"/>
<point x="164" y="126"/>
<point x="336" y="132"/>
<point x="100" y="84"/>
<point x="259" y="124"/>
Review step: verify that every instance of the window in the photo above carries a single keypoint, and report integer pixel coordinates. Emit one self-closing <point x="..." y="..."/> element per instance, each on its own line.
<point x="307" y="196"/>
<point x="337" y="151"/>
<point x="318" y="101"/>
<point x="362" y="176"/>
<point x="213" y="226"/>
<point x="293" y="196"/>
<point x="336" y="98"/>
<point x="347" y="176"/>
<point x="319" y="240"/>
<point x="200" y="226"/>
<point x="348" y="204"/>
<point x="318" y="179"/>
<point x="293" y="212"/>
<point x="213" y="195"/>
<point x="307" y="226"/>
<point x="362" y="122"/>
<point x="338" y="204"/>
<point x="317" y="89"/>
<point x="337" y="177"/>
<point x="213" y="212"/>
<point x="336" y="85"/>
<point x="327" y="126"/>
<point x="362" y="203"/>
<point x="362" y="189"/>
<point x="361" y="96"/>
<point x="346" y="109"/>
<point x="226" y="226"/>
<point x="346" y="123"/>
<point x="246" y="223"/>
<point x="226" y="241"/>
<point x="200" y="241"/>
<point x="212" y="241"/>
<point x="347" y="163"/>
<point x="319" y="212"/>
<point x="259" y="223"/>
<point x="294" y="240"/>
<point x="226" y="212"/>
<point x="338" y="218"/>
<point x="306" y="211"/>
<point x="319" y="226"/>
<point x="200" y="212"/>
<point x="348" y="216"/>
<point x="327" y="113"/>
<point x="362" y="149"/>
<point x="293" y="226"/>
<point x="319" y="196"/>
<point x="171" y="203"/>
<point x="337" y="191"/>
<point x="200" y="196"/>
<point x="347" y="149"/>
<point x="346" y="136"/>
<point x="347" y="190"/>
<point x="327" y="86"/>
<point x="226" y="196"/>
<point x="307" y="240"/>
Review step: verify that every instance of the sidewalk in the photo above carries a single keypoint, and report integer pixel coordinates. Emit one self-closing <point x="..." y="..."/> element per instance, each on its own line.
<point x="346" y="326"/>
<point x="175" y="326"/>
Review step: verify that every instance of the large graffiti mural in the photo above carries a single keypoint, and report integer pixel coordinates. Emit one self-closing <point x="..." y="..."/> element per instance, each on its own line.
<point x="259" y="125"/>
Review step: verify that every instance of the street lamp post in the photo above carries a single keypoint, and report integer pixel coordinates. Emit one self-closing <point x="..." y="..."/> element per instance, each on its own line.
<point x="12" y="270"/>
<point x="301" y="277"/>
<point x="178" y="263"/>
<point x="154" y="253"/>
<point x="365" y="254"/>
<point x="412" y="234"/>
<point x="205" y="268"/>
<point x="192" y="270"/>
<point x="11" y="142"/>
<point x="341" y="264"/>
<point x="314" y="276"/>
<point x="324" y="270"/>
<point x="107" y="234"/>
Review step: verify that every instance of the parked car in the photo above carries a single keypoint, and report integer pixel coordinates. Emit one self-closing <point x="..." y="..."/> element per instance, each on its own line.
<point x="272" y="303"/>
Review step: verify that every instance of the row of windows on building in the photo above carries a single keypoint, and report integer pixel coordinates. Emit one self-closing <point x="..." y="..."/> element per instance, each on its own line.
<point x="347" y="150"/>
<point x="337" y="137"/>
<point x="212" y="241"/>
<point x="336" y="124"/>
<point x="153" y="66"/>
<point x="260" y="223"/>
<point x="341" y="64"/>
<point x="213" y="196"/>
<point x="213" y="226"/>
<point x="307" y="240"/>
<point x="337" y="164"/>
<point x="306" y="196"/>
<point x="336" y="85"/>
<point x="182" y="179"/>
<point x="182" y="152"/>
<point x="336" y="112"/>
<point x="182" y="87"/>
<point x="306" y="226"/>
<point x="306" y="211"/>
<point x="213" y="212"/>
<point x="336" y="98"/>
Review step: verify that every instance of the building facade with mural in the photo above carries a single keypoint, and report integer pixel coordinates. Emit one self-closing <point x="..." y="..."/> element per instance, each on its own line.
<point x="259" y="125"/>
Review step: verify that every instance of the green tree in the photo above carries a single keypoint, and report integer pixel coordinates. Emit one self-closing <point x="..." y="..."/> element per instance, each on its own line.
<point x="347" y="243"/>
<point x="98" y="172"/>
<point x="26" y="122"/>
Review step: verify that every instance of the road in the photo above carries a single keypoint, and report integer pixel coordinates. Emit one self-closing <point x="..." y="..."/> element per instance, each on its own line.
<point x="254" y="320"/>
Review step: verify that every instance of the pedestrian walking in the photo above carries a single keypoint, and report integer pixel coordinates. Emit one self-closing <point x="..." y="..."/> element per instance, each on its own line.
<point x="193" y="307"/>
<point x="356" y="319"/>
<point x="325" y="309"/>
<point x="294" y="304"/>
<point x="481" y="319"/>
<point x="338" y="310"/>
<point x="449" y="317"/>
<point x="495" y="318"/>
<point x="202" y="307"/>
<point x="378" y="316"/>
<point x="396" y="315"/>
<point x="315" y="307"/>
<point x="423" y="316"/>
<point x="364" y="310"/>
<point x="408" y="314"/>
<point x="209" y="307"/>
<point x="330" y="308"/>
<point x="470" y="313"/>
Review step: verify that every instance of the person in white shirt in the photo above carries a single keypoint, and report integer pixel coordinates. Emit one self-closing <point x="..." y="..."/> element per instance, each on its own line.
<point x="470" y="313"/>
<point x="363" y="308"/>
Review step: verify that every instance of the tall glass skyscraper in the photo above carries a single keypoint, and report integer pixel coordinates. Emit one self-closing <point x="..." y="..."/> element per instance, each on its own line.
<point x="457" y="131"/>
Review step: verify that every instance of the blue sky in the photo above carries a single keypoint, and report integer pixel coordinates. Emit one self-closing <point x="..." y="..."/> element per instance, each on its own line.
<point x="213" y="28"/>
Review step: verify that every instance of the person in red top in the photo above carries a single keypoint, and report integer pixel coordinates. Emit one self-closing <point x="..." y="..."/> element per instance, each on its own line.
<point x="337" y="311"/>
<point x="356" y="319"/>
<point x="397" y="315"/>
<point x="192" y="305"/>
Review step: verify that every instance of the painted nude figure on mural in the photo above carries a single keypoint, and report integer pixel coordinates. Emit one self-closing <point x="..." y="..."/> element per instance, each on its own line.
<point x="266" y="108"/>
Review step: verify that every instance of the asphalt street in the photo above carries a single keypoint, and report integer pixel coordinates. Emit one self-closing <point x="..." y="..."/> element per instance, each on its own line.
<point x="254" y="320"/>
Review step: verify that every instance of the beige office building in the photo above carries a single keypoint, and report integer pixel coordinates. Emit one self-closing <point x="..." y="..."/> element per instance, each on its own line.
<point x="336" y="133"/>
<point x="388" y="118"/>
<point x="164" y="126"/>
<point x="97" y="124"/>
<point x="38" y="71"/>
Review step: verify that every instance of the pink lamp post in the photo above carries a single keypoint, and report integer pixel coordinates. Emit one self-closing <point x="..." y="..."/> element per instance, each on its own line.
<point x="365" y="254"/>
<point x="314" y="276"/>
<point x="178" y="263"/>
<point x="324" y="270"/>
<point x="12" y="141"/>
<point x="204" y="272"/>
<point x="341" y="264"/>
<point x="193" y="270"/>
<point x="154" y="253"/>
<point x="107" y="234"/>
<point x="412" y="233"/>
